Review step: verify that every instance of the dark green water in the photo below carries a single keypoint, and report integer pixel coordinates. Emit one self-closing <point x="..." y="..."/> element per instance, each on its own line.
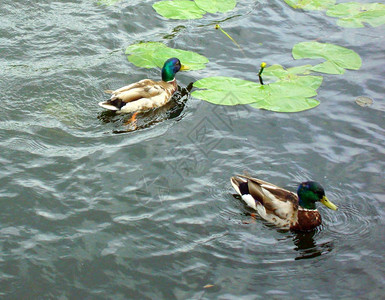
<point x="90" y="214"/>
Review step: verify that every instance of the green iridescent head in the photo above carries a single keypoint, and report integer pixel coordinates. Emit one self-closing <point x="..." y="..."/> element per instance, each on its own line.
<point x="310" y="192"/>
<point x="170" y="68"/>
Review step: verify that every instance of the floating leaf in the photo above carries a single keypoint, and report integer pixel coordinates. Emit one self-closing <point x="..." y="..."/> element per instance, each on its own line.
<point x="213" y="6"/>
<point x="310" y="4"/>
<point x="286" y="96"/>
<point x="353" y="14"/>
<point x="278" y="72"/>
<point x="178" y="9"/>
<point x="292" y="94"/>
<point x="225" y="90"/>
<point x="291" y="75"/>
<point x="337" y="58"/>
<point x="154" y="54"/>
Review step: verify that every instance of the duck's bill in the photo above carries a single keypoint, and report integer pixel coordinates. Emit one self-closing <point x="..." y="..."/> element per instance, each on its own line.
<point x="184" y="68"/>
<point x="325" y="201"/>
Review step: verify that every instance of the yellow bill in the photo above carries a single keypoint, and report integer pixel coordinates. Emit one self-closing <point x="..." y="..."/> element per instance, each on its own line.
<point x="184" y="68"/>
<point x="325" y="201"/>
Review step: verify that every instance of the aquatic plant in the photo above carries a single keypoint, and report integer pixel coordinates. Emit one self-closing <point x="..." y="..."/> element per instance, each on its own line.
<point x="337" y="58"/>
<point x="153" y="54"/>
<point x="293" y="89"/>
<point x="291" y="92"/>
<point x="185" y="9"/>
<point x="350" y="14"/>
<point x="310" y="4"/>
<point x="353" y="14"/>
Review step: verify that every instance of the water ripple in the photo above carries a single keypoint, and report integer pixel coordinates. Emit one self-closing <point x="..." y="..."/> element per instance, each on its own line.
<point x="150" y="213"/>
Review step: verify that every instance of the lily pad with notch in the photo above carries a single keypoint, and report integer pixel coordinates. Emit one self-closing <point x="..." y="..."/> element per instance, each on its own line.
<point x="154" y="54"/>
<point x="291" y="93"/>
<point x="337" y="58"/>
<point x="354" y="14"/>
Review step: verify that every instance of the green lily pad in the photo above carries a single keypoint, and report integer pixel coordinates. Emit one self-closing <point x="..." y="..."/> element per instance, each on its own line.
<point x="310" y="4"/>
<point x="292" y="75"/>
<point x="292" y="93"/>
<point x="225" y="90"/>
<point x="178" y="9"/>
<point x="353" y="14"/>
<point x="284" y="96"/>
<point x="337" y="58"/>
<point x="154" y="54"/>
<point x="213" y="6"/>
<point x="278" y="72"/>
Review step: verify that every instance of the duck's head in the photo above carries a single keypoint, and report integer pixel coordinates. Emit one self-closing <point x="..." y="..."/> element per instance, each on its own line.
<point x="310" y="192"/>
<point x="170" y="68"/>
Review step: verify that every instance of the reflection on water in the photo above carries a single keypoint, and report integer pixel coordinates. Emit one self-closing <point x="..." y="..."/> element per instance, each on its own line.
<point x="307" y="247"/>
<point x="87" y="214"/>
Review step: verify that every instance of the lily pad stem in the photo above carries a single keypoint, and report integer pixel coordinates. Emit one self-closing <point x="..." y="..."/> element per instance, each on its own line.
<point x="226" y="34"/>
<point x="263" y="65"/>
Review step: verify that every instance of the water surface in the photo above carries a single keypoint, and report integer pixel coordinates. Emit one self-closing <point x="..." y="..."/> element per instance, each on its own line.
<point x="91" y="214"/>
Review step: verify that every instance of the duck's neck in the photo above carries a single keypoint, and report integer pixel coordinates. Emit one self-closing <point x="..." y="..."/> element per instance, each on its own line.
<point x="307" y="204"/>
<point x="167" y="75"/>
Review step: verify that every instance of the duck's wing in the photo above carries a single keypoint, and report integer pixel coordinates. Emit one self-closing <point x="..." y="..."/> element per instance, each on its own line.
<point x="276" y="200"/>
<point x="143" y="89"/>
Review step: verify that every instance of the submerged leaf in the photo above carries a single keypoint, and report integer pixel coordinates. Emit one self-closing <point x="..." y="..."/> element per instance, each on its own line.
<point x="154" y="54"/>
<point x="353" y="14"/>
<point x="178" y="9"/>
<point x="65" y="112"/>
<point x="364" y="101"/>
<point x="108" y="2"/>
<point x="310" y="4"/>
<point x="213" y="6"/>
<point x="337" y="58"/>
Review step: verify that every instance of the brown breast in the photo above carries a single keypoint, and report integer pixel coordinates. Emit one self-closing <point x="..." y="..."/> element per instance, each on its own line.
<point x="307" y="220"/>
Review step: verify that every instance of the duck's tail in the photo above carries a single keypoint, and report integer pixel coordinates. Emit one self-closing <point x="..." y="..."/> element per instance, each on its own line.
<point x="107" y="105"/>
<point x="240" y="185"/>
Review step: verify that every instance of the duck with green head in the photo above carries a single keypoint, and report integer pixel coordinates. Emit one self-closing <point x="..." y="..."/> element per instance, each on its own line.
<point x="282" y="207"/>
<point x="146" y="94"/>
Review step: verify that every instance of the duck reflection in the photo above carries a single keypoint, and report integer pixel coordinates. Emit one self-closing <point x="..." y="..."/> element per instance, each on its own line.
<point x="141" y="120"/>
<point x="307" y="247"/>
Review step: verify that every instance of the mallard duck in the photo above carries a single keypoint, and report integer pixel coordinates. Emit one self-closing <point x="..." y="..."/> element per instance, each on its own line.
<point x="145" y="94"/>
<point x="282" y="207"/>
